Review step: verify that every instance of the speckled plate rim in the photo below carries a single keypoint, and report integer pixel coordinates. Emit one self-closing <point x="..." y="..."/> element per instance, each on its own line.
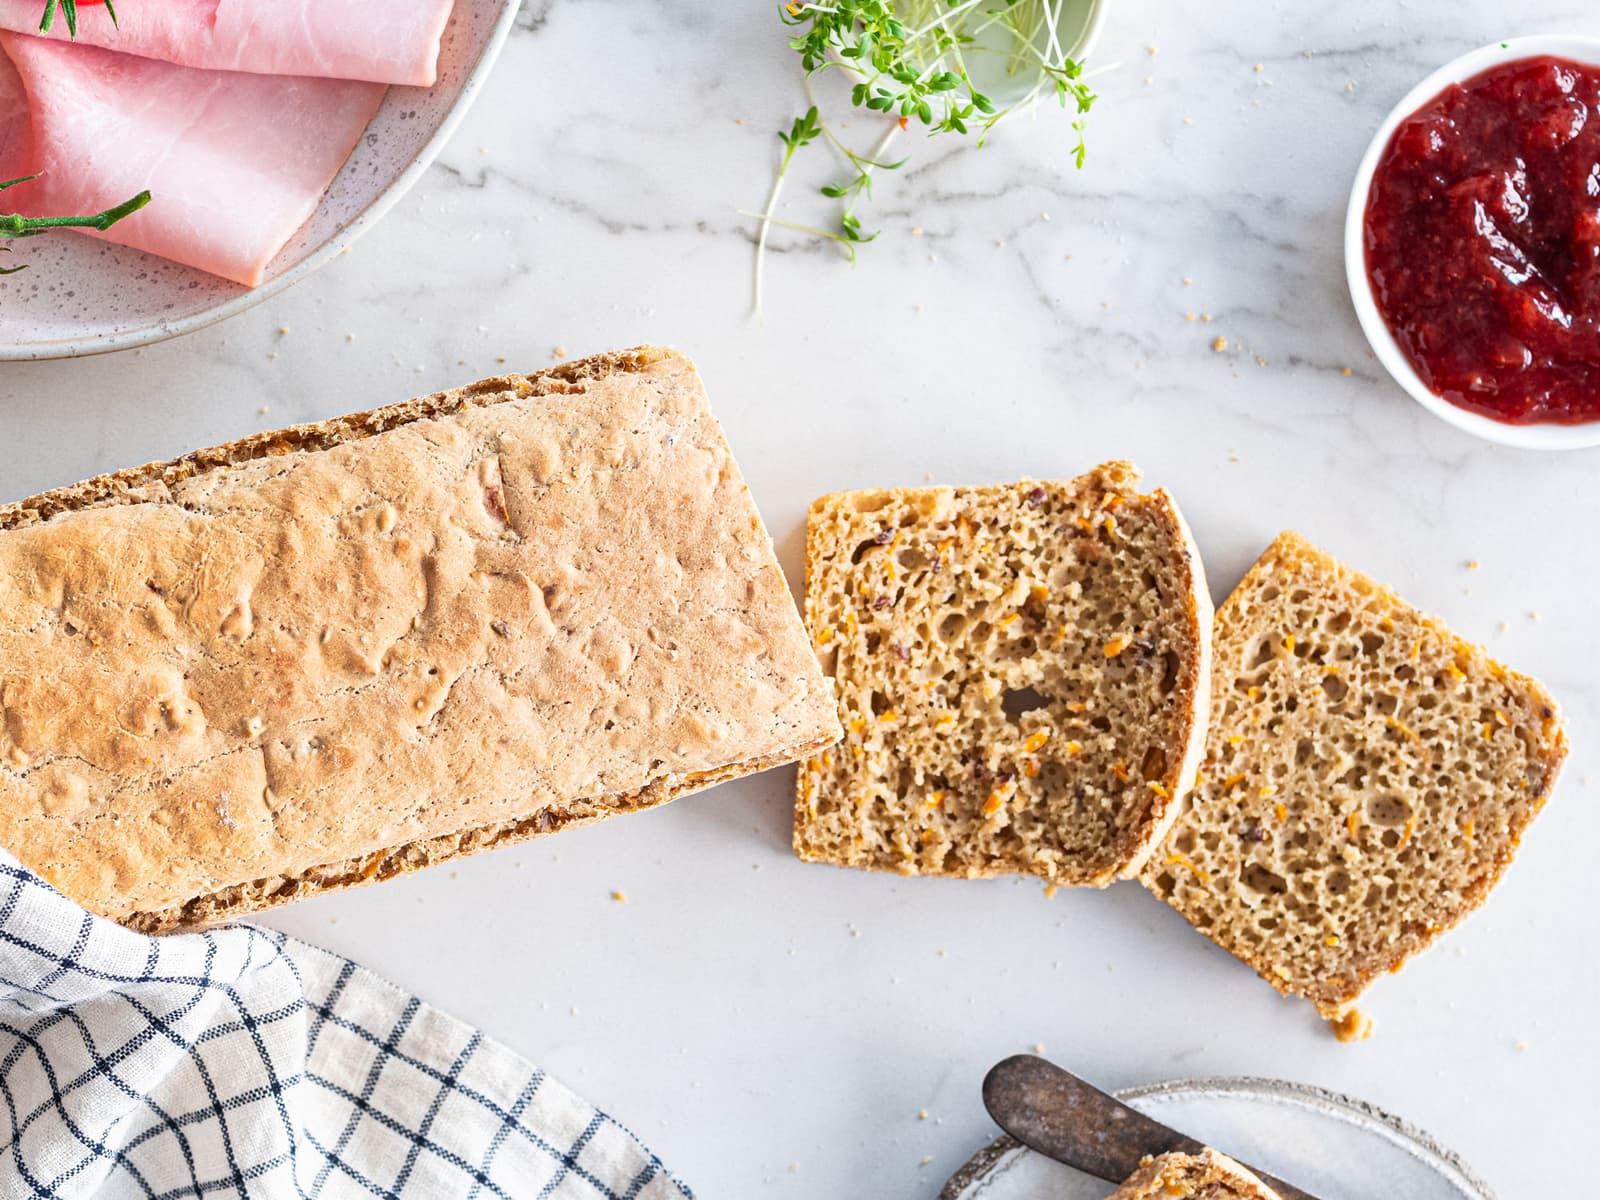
<point x="1440" y="1156"/>
<point x="160" y="331"/>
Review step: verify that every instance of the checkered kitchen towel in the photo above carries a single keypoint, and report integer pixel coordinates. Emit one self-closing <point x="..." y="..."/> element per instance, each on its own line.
<point x="242" y="1063"/>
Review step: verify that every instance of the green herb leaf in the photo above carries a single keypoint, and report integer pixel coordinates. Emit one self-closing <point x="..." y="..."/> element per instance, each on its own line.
<point x="14" y="225"/>
<point x="910" y="59"/>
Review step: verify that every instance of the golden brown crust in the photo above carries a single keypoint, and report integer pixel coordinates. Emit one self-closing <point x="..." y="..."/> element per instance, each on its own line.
<point x="243" y="899"/>
<point x="1368" y="779"/>
<point x="340" y="651"/>
<point x="129" y="486"/>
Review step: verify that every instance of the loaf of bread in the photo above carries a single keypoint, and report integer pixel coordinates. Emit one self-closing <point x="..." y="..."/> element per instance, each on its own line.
<point x="1204" y="1176"/>
<point x="331" y="654"/>
<point x="1367" y="779"/>
<point x="1022" y="672"/>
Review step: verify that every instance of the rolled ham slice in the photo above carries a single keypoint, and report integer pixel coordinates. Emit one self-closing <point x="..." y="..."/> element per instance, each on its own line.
<point x="237" y="162"/>
<point x="380" y="41"/>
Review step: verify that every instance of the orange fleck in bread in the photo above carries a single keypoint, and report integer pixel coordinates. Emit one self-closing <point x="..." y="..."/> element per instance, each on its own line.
<point x="1368" y="778"/>
<point x="1021" y="676"/>
<point x="1204" y="1176"/>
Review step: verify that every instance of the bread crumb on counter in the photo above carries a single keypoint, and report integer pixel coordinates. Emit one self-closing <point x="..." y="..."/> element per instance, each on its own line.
<point x="1219" y="344"/>
<point x="620" y="897"/>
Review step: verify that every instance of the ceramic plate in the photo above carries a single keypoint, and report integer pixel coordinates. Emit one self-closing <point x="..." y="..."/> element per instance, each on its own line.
<point x="1334" y="1147"/>
<point x="84" y="296"/>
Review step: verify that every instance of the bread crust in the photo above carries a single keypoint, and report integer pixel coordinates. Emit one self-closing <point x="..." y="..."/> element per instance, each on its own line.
<point x="746" y="635"/>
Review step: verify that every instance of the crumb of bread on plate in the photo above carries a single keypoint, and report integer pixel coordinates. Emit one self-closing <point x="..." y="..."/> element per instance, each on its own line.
<point x="1204" y="1176"/>
<point x="1367" y="780"/>
<point x="1021" y="671"/>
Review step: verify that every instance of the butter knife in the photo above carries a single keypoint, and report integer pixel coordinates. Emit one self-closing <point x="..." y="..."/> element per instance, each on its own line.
<point x="1055" y="1113"/>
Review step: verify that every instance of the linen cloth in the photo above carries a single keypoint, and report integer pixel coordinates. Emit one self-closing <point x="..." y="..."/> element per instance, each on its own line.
<point x="241" y="1062"/>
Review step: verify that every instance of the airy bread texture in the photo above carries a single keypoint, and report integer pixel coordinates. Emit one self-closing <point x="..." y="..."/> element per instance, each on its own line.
<point x="1204" y="1176"/>
<point x="1022" y="672"/>
<point x="335" y="653"/>
<point x="1367" y="780"/>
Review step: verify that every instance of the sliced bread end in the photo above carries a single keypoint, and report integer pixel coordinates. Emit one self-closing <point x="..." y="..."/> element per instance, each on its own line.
<point x="1022" y="672"/>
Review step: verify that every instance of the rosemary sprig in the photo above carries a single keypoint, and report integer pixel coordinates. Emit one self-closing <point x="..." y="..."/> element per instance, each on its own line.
<point x="802" y="133"/>
<point x="69" y="10"/>
<point x="14" y="225"/>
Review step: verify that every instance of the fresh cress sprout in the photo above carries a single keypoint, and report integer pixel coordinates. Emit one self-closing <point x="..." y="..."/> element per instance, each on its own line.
<point x="13" y="225"/>
<point x="913" y="60"/>
<point x="69" y="10"/>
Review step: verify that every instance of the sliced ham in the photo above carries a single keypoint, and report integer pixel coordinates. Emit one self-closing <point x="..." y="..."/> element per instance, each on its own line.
<point x="16" y="134"/>
<point x="236" y="161"/>
<point x="377" y="40"/>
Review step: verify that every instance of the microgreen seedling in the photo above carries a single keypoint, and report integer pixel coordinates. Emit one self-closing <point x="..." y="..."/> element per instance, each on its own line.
<point x="14" y="225"/>
<point x="69" y="11"/>
<point x="912" y="61"/>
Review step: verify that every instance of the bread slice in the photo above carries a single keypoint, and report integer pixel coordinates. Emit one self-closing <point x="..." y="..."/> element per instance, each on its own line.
<point x="1205" y="1176"/>
<point x="1022" y="671"/>
<point x="332" y="654"/>
<point x="1367" y="779"/>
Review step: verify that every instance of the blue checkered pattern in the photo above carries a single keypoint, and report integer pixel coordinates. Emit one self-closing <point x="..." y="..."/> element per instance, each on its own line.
<point x="242" y="1063"/>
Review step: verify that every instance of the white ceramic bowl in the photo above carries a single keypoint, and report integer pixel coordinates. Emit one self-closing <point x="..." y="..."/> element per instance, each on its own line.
<point x="1528" y="437"/>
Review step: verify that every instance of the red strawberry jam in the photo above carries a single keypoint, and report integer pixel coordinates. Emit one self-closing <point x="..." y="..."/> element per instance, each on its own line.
<point x="1483" y="242"/>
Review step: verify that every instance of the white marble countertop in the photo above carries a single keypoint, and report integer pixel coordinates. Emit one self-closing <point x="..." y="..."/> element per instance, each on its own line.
<point x="772" y="1028"/>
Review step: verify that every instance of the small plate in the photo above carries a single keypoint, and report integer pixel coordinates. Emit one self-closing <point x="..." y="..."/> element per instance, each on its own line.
<point x="1334" y="1147"/>
<point x="84" y="296"/>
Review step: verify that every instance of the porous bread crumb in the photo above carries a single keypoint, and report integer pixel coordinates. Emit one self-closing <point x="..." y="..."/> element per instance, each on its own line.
<point x="1204" y="1176"/>
<point x="1219" y="344"/>
<point x="1402" y="764"/>
<point x="1352" y="1025"/>
<point x="989" y="727"/>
